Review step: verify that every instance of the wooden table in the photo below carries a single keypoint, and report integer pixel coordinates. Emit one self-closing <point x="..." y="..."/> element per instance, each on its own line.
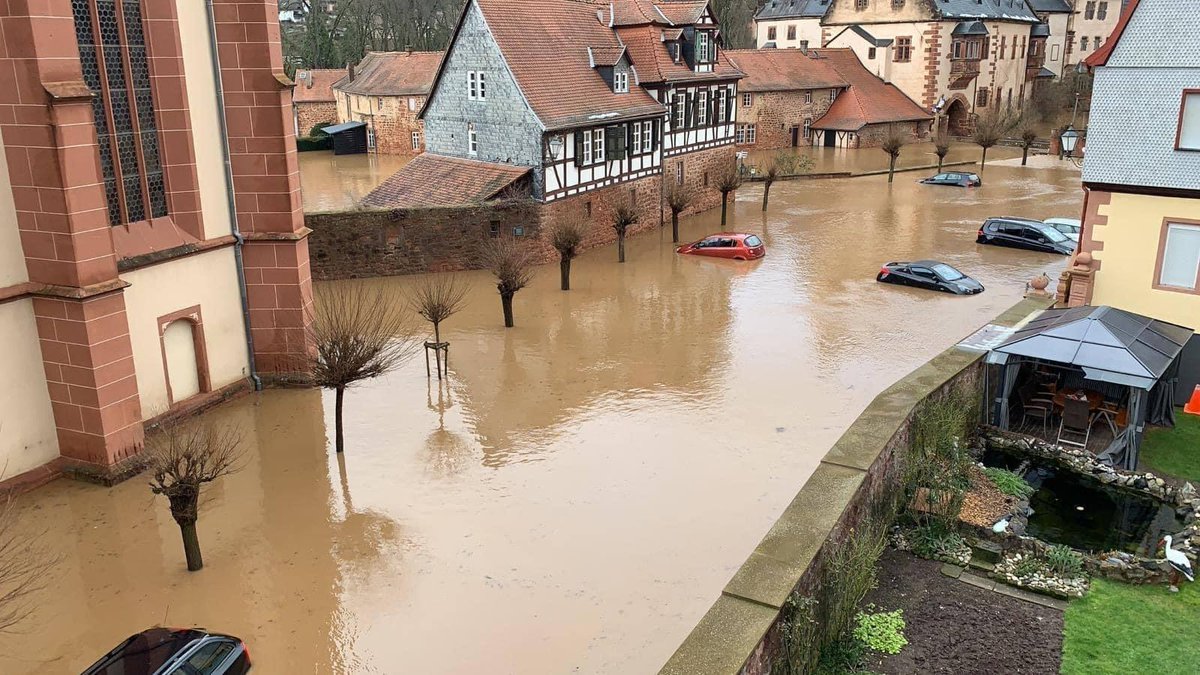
<point x="1094" y="399"/>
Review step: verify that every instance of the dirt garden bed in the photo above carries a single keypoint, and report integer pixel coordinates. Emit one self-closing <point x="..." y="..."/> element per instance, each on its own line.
<point x="953" y="627"/>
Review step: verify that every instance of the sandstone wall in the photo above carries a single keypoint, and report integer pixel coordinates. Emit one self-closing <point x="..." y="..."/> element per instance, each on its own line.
<point x="774" y="113"/>
<point x="308" y="115"/>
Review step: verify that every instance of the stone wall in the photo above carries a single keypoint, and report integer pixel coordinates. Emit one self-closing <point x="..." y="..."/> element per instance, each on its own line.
<point x="774" y="113"/>
<point x="310" y="114"/>
<point x="699" y="173"/>
<point x="872" y="135"/>
<point x="742" y="634"/>
<point x="395" y="123"/>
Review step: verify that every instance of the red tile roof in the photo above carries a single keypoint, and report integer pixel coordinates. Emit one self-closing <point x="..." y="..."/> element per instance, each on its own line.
<point x="869" y="100"/>
<point x="783" y="70"/>
<point x="392" y="74"/>
<point x="545" y="43"/>
<point x="654" y="64"/>
<point x="607" y="55"/>
<point x="661" y="12"/>
<point x="436" y="180"/>
<point x="313" y="86"/>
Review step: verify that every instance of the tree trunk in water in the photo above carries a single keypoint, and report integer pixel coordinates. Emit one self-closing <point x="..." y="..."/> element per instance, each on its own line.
<point x="620" y="247"/>
<point x="724" y="207"/>
<point x="191" y="546"/>
<point x="339" y="440"/>
<point x="564" y="269"/>
<point x="506" y="300"/>
<point x="892" y="169"/>
<point x="675" y="227"/>
<point x="766" y="195"/>
<point x="983" y="160"/>
<point x="1024" y="155"/>
<point x="939" y="169"/>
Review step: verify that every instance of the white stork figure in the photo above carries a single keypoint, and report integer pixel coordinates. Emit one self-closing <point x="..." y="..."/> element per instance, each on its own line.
<point x="1180" y="565"/>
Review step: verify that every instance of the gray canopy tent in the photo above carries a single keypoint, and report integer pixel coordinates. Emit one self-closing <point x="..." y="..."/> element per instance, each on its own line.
<point x="1110" y="346"/>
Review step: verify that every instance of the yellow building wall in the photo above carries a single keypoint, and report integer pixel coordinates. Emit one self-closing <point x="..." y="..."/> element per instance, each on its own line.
<point x="204" y="114"/>
<point x="1131" y="241"/>
<point x="27" y="433"/>
<point x="12" y="258"/>
<point x="208" y="280"/>
<point x="806" y="30"/>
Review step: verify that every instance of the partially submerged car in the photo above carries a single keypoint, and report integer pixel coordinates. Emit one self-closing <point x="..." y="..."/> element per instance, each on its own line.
<point x="930" y="274"/>
<point x="175" y="651"/>
<point x="956" y="178"/>
<point x="1033" y="235"/>
<point x="729" y="245"/>
<point x="1068" y="226"/>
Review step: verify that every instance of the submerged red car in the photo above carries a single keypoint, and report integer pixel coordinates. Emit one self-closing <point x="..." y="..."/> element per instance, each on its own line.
<point x="728" y="245"/>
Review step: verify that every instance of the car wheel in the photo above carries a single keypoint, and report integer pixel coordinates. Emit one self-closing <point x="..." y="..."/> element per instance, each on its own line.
<point x="739" y="258"/>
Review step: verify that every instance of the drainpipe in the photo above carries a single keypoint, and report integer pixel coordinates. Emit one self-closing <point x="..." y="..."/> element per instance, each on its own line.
<point x="239" y="240"/>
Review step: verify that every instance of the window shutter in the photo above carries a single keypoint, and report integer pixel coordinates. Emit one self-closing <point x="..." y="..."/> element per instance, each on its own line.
<point x="578" y="148"/>
<point x="654" y="143"/>
<point x="614" y="143"/>
<point x="731" y="94"/>
<point x="690" y="117"/>
<point x="713" y="101"/>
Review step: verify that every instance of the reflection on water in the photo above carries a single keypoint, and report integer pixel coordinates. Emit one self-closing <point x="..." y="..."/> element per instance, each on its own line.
<point x="577" y="493"/>
<point x="330" y="182"/>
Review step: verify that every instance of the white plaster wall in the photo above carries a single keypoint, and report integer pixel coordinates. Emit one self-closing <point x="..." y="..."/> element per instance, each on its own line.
<point x="204" y="113"/>
<point x="1010" y="72"/>
<point x="12" y="258"/>
<point x="27" y="433"/>
<point x="209" y="280"/>
<point x="1056" y="44"/>
<point x="806" y="29"/>
<point x="909" y="76"/>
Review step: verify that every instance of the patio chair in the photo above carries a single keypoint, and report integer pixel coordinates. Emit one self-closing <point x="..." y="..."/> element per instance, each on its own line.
<point x="1076" y="422"/>
<point x="1108" y="411"/>
<point x="1036" y="408"/>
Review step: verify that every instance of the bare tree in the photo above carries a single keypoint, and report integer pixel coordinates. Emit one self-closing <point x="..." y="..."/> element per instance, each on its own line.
<point x="182" y="460"/>
<point x="25" y="565"/>
<point x="438" y="297"/>
<point x="941" y="147"/>
<point x="624" y="216"/>
<point x="770" y="174"/>
<point x="679" y="197"/>
<point x="359" y="332"/>
<point x="989" y="129"/>
<point x="892" y="144"/>
<point x="566" y="236"/>
<point x="728" y="179"/>
<point x="513" y="265"/>
<point x="1029" y="136"/>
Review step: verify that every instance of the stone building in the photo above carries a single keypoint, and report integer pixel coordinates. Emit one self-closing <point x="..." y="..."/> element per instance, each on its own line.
<point x="869" y="110"/>
<point x="962" y="58"/>
<point x="313" y="102"/>
<point x="1090" y="24"/>
<point x="593" y="99"/>
<point x="142" y="275"/>
<point x="1140" y="245"/>
<point x="387" y="90"/>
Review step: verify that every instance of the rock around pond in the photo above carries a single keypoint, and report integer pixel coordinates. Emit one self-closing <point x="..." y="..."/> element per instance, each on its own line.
<point x="576" y="496"/>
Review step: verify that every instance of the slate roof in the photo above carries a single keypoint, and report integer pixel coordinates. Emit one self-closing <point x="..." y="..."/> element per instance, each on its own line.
<point x="869" y="100"/>
<point x="653" y="64"/>
<point x="316" y="85"/>
<point x="871" y="39"/>
<point x="992" y="10"/>
<point x="792" y="9"/>
<point x="783" y="70"/>
<point x="436" y="180"/>
<point x="1050" y="6"/>
<point x="970" y="28"/>
<point x="544" y="43"/>
<point x="392" y="74"/>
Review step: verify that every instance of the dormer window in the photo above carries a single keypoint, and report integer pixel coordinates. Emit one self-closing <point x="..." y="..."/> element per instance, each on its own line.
<point x="703" y="47"/>
<point x="621" y="82"/>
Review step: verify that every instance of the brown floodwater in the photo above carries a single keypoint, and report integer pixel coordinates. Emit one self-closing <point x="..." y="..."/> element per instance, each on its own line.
<point x="329" y="182"/>
<point x="576" y="496"/>
<point x="839" y="160"/>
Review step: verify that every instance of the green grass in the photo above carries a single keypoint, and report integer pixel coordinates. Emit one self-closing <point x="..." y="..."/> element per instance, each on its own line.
<point x="1175" y="452"/>
<point x="1123" y="629"/>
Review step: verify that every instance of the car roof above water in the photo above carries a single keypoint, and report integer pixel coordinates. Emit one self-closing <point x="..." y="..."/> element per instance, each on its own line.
<point x="1014" y="219"/>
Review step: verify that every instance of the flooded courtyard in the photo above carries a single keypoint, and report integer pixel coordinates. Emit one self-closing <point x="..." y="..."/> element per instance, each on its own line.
<point x="330" y="182"/>
<point x="576" y="496"/>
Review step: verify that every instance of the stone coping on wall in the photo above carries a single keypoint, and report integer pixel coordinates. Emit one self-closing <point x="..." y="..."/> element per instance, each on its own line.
<point x="750" y="603"/>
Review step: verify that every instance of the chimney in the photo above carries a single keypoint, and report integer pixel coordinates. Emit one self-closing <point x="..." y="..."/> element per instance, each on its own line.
<point x="350" y="69"/>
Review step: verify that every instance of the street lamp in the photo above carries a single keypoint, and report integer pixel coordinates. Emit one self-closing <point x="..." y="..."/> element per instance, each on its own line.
<point x="555" y="147"/>
<point x="1069" y="139"/>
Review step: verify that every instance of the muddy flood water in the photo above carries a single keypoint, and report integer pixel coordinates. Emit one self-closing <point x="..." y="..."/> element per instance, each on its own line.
<point x="576" y="496"/>
<point x="329" y="182"/>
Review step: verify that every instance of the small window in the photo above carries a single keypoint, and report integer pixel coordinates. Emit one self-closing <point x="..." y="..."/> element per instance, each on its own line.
<point x="680" y="109"/>
<point x="860" y="5"/>
<point x="472" y="85"/>
<point x="1089" y="11"/>
<point x="379" y="101"/>
<point x="621" y="82"/>
<point x="1097" y="41"/>
<point x="705" y="179"/>
<point x="518" y="231"/>
<point x="494" y="230"/>
<point x="771" y="33"/>
<point x="1189" y="121"/>
<point x="746" y="134"/>
<point x="702" y="107"/>
<point x="897" y="4"/>
<point x="598" y="145"/>
<point x="679" y="173"/>
<point x="981" y="97"/>
<point x="1083" y="44"/>
<point x="791" y="33"/>
<point x="587" y="208"/>
<point x="804" y="45"/>
<point x="472" y="140"/>
<point x="808" y="127"/>
<point x="870" y="53"/>
<point x="635" y="145"/>
<point x="412" y="104"/>
<point x="586" y="147"/>
<point x="1102" y="13"/>
<point x="808" y="96"/>
<point x="747" y="100"/>
<point x="416" y="140"/>
<point x="482" y="86"/>
<point x="1054" y="52"/>
<point x="702" y="47"/>
<point x="1180" y="261"/>
<point x="903" y="49"/>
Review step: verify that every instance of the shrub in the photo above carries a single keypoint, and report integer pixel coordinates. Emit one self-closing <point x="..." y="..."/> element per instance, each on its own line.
<point x="1008" y="482"/>
<point x="309" y="143"/>
<point x="842" y="657"/>
<point x="318" y="130"/>
<point x="883" y="631"/>
<point x="1029" y="566"/>
<point x="1062" y="560"/>
<point x="935" y="540"/>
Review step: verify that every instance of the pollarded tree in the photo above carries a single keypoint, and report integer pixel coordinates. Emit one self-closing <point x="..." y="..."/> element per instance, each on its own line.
<point x="566" y="236"/>
<point x="892" y="144"/>
<point x="770" y="174"/>
<point x="25" y="565"/>
<point x="679" y="197"/>
<point x="989" y="129"/>
<point x="941" y="147"/>
<point x="181" y="461"/>
<point x="624" y="216"/>
<point x="435" y="298"/>
<point x="358" y="331"/>
<point x="728" y="179"/>
<point x="1029" y="136"/>
<point x="513" y="265"/>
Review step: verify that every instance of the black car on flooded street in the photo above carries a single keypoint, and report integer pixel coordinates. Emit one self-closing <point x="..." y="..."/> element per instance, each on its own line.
<point x="929" y="274"/>
<point x="955" y="178"/>
<point x="175" y="651"/>
<point x="1026" y="233"/>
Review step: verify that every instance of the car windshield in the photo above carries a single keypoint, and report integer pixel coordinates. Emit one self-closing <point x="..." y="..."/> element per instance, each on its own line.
<point x="974" y="176"/>
<point x="946" y="272"/>
<point x="145" y="652"/>
<point x="1052" y="234"/>
<point x="753" y="241"/>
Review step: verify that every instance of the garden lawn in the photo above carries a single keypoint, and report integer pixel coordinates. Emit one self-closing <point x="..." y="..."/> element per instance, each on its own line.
<point x="1118" y="628"/>
<point x="1175" y="452"/>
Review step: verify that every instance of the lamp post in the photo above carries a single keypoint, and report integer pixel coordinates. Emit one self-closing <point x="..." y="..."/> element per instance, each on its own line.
<point x="1069" y="139"/>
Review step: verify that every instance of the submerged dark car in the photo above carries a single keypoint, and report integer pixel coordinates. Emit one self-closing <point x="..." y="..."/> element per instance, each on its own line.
<point x="1025" y="233"/>
<point x="930" y="274"/>
<point x="175" y="651"/>
<point x="957" y="178"/>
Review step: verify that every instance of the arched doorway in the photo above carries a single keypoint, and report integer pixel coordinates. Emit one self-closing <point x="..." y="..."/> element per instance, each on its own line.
<point x="958" y="118"/>
<point x="179" y="352"/>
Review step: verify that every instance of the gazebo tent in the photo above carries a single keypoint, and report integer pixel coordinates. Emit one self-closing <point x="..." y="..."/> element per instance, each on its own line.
<point x="1109" y="345"/>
